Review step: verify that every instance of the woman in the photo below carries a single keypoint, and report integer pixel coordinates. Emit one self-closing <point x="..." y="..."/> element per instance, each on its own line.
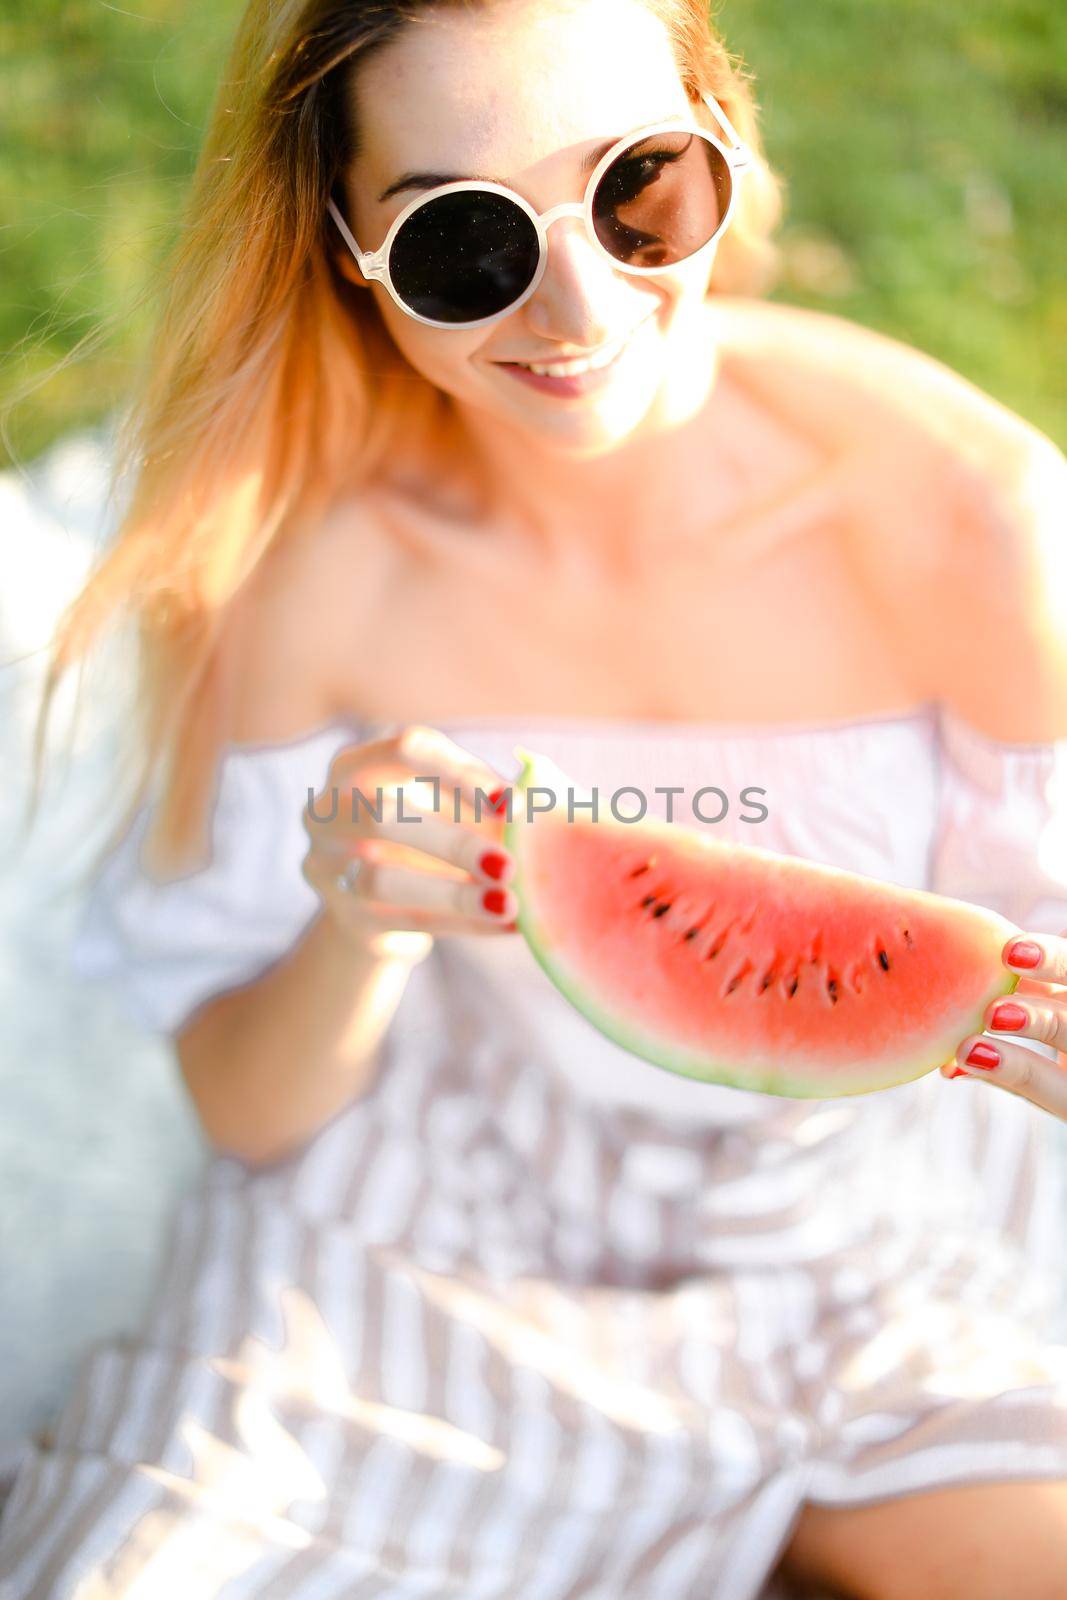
<point x="470" y="1302"/>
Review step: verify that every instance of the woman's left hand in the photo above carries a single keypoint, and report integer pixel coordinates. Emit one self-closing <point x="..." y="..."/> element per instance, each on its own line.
<point x="1036" y="1010"/>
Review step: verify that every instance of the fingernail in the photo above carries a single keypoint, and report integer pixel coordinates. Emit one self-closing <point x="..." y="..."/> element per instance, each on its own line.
<point x="498" y="801"/>
<point x="494" y="900"/>
<point x="982" y="1055"/>
<point x="1008" y="1015"/>
<point x="494" y="863"/>
<point x="1024" y="953"/>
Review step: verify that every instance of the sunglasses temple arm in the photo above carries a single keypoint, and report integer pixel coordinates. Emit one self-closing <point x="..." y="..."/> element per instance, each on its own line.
<point x="366" y="263"/>
<point x="740" y="149"/>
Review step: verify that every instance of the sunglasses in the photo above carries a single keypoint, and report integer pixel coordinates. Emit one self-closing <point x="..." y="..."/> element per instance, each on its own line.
<point x="465" y="254"/>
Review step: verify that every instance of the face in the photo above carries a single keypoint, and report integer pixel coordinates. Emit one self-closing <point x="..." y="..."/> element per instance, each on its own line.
<point x="521" y="92"/>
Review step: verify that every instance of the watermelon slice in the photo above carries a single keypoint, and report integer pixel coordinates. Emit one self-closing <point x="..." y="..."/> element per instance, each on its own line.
<point x="737" y="965"/>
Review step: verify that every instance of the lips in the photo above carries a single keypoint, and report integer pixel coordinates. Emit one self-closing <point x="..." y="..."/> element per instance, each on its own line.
<point x="603" y="355"/>
<point x="562" y="362"/>
<point x="573" y="387"/>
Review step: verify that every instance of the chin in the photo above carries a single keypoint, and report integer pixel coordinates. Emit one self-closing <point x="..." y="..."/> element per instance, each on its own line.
<point x="583" y="432"/>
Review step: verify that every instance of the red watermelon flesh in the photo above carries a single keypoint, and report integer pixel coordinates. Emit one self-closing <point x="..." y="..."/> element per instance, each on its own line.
<point x="737" y="965"/>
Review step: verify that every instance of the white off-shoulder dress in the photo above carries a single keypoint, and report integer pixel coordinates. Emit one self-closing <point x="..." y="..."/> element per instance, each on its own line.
<point x="532" y="1319"/>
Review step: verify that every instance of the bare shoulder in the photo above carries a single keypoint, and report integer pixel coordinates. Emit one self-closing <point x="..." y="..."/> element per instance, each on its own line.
<point x="1002" y="611"/>
<point x="852" y="376"/>
<point x="291" y="646"/>
<point x="961" y="525"/>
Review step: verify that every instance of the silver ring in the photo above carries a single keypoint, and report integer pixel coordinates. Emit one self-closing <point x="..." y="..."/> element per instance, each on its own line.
<point x="346" y="880"/>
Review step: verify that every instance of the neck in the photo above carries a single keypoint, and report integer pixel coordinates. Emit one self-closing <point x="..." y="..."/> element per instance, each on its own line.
<point x="615" y="504"/>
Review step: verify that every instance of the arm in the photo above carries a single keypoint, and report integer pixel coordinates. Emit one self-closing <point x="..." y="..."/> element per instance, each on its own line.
<point x="269" y="1064"/>
<point x="1009" y="671"/>
<point x="999" y="615"/>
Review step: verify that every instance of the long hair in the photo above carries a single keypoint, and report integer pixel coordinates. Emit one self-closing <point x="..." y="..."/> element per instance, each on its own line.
<point x="270" y="383"/>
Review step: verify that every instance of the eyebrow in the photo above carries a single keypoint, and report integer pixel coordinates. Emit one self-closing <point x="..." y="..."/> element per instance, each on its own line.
<point x="432" y="180"/>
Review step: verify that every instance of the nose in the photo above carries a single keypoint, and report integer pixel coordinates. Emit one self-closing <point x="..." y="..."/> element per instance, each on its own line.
<point x="577" y="300"/>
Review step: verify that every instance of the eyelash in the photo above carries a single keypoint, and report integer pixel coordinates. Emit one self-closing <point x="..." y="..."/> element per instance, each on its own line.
<point x="660" y="158"/>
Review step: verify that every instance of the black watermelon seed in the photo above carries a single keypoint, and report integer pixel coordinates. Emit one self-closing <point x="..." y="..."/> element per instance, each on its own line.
<point x="768" y="979"/>
<point x="883" y="960"/>
<point x="831" y="989"/>
<point x="662" y="909"/>
<point x="649" y="900"/>
<point x="908" y="939"/>
<point x="636" y="873"/>
<point x="691" y="933"/>
<point x="793" y="987"/>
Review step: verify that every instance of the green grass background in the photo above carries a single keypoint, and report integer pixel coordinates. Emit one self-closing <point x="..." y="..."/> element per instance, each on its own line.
<point x="924" y="143"/>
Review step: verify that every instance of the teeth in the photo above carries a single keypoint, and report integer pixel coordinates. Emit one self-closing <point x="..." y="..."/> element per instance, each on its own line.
<point x="571" y="369"/>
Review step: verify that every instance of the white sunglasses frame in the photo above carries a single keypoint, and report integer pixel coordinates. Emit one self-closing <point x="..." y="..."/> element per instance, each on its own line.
<point x="374" y="264"/>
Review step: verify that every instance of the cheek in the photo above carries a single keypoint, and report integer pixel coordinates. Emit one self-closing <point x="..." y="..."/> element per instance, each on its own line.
<point x="439" y="354"/>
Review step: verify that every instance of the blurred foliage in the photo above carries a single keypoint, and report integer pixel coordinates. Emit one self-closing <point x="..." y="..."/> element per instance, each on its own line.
<point x="102" y="111"/>
<point x="924" y="145"/>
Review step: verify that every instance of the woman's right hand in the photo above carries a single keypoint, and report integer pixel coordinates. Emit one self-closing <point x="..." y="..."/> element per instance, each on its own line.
<point x="415" y="878"/>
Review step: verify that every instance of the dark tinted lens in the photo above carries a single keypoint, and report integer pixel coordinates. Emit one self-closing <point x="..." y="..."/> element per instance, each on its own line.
<point x="464" y="256"/>
<point x="660" y="200"/>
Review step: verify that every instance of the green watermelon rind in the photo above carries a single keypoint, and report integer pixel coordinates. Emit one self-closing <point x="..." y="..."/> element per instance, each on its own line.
<point x="659" y="1053"/>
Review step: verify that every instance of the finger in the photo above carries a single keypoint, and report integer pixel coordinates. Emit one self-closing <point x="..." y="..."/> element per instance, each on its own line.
<point x="381" y="886"/>
<point x="424" y="833"/>
<point x="344" y="814"/>
<point x="1037" y="955"/>
<point x="425" y="753"/>
<point x="1017" y="1068"/>
<point x="1043" y="1019"/>
<point x="372" y="920"/>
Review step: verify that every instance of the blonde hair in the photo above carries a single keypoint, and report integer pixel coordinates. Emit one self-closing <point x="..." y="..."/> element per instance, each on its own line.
<point x="271" y="384"/>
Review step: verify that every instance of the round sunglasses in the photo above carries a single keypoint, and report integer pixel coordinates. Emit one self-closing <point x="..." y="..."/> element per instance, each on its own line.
<point x="467" y="253"/>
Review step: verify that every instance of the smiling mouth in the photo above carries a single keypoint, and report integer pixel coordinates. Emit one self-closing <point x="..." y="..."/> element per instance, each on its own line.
<point x="573" y="369"/>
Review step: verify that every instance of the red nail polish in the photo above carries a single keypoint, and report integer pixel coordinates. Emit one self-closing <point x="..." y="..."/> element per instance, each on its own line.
<point x="1024" y="953"/>
<point x="494" y="863"/>
<point x="959" y="1073"/>
<point x="1008" y="1015"/>
<point x="498" y="802"/>
<point x="494" y="900"/>
<point x="982" y="1055"/>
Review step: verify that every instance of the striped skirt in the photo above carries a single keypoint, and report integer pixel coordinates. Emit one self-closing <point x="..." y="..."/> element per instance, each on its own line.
<point x="480" y="1339"/>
